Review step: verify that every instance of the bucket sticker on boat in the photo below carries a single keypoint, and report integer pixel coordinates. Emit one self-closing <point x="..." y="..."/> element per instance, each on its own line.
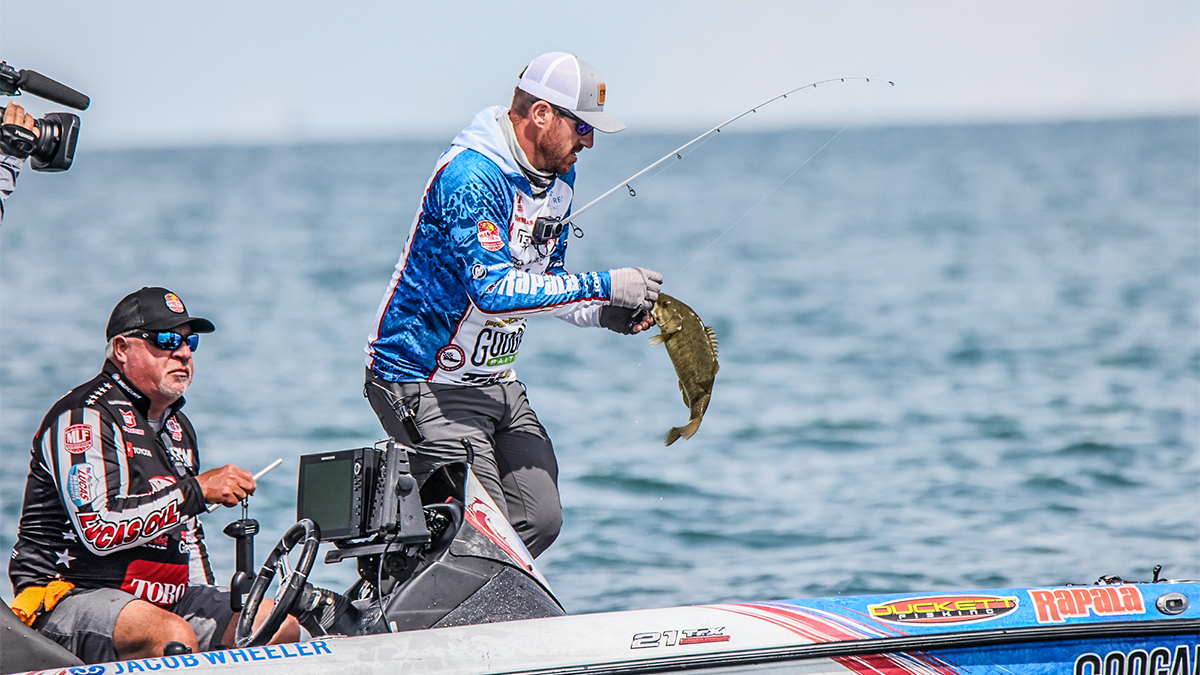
<point x="942" y="609"/>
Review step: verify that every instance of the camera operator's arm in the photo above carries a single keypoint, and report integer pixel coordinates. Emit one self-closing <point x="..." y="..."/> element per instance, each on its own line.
<point x="10" y="161"/>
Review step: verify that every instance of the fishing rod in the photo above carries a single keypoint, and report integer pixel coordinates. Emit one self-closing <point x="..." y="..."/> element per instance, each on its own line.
<point x="676" y="152"/>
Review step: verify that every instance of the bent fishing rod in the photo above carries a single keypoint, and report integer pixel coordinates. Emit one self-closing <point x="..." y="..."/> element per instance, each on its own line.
<point x="676" y="152"/>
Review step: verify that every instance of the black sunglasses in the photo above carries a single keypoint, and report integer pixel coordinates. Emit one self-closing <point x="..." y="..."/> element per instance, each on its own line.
<point x="582" y="128"/>
<point x="169" y="340"/>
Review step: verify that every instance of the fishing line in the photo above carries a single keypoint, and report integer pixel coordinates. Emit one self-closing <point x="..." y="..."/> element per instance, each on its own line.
<point x="760" y="201"/>
<point x="677" y="152"/>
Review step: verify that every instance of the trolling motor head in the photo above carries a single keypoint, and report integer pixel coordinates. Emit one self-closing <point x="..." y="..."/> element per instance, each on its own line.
<point x="53" y="146"/>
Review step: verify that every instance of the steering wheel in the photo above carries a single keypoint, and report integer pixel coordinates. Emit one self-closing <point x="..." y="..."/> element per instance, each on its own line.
<point x="291" y="586"/>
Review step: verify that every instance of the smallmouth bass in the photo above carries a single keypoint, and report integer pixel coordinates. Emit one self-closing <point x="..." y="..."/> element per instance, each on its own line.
<point x="692" y="347"/>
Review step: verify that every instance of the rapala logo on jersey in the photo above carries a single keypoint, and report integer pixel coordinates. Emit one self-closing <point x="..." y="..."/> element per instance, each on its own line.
<point x="451" y="357"/>
<point x="525" y="283"/>
<point x="944" y="609"/>
<point x="103" y="535"/>
<point x="175" y="429"/>
<point x="174" y="303"/>
<point x="494" y="348"/>
<point x="489" y="236"/>
<point x="78" y="438"/>
<point x="160" y="583"/>
<point x="81" y="484"/>
<point x="1059" y="604"/>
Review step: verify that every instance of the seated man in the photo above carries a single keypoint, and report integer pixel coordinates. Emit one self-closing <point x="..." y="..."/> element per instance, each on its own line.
<point x="111" y="501"/>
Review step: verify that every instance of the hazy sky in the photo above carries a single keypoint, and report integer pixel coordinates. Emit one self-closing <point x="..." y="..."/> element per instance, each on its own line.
<point x="219" y="71"/>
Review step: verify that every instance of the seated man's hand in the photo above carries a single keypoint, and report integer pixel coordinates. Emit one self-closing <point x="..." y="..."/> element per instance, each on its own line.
<point x="227" y="485"/>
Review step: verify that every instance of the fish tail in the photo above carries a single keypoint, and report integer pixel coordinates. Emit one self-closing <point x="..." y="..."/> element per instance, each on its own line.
<point x="685" y="432"/>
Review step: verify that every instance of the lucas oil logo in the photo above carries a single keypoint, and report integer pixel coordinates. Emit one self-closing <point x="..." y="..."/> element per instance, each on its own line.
<point x="944" y="609"/>
<point x="489" y="235"/>
<point x="78" y="438"/>
<point x="81" y="484"/>
<point x="1059" y="604"/>
<point x="494" y="348"/>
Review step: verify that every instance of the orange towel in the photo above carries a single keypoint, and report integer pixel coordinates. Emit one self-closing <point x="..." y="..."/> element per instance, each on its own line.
<point x="35" y="600"/>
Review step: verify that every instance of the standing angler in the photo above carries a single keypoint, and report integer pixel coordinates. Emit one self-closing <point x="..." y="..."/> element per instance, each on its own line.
<point x="483" y="254"/>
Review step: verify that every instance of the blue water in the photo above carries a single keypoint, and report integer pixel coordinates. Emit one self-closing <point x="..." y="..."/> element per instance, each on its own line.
<point x="951" y="357"/>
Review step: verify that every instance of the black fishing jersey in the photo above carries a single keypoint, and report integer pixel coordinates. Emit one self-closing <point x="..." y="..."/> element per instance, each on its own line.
<point x="110" y="503"/>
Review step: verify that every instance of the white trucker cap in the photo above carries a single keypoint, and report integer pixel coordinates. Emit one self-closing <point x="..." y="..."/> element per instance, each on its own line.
<point x="567" y="82"/>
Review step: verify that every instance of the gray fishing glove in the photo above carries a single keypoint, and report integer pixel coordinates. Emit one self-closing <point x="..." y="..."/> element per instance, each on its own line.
<point x="635" y="288"/>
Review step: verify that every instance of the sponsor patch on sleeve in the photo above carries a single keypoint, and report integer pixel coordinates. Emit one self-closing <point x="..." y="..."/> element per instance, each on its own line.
<point x="489" y="235"/>
<point x="78" y="438"/>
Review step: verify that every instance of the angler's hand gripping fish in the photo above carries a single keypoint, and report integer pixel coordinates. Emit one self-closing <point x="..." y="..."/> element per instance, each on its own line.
<point x="692" y="347"/>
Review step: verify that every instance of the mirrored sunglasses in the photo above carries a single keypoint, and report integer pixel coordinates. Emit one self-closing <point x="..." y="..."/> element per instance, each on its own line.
<point x="169" y="340"/>
<point x="582" y="128"/>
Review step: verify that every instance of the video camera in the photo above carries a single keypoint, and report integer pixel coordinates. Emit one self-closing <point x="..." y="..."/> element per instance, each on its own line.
<point x="53" y="147"/>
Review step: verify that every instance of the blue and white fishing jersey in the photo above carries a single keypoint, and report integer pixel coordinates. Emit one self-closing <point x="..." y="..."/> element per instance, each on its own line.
<point x="469" y="274"/>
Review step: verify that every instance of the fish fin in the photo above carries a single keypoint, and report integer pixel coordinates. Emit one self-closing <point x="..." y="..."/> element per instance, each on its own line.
<point x="686" y="402"/>
<point x="687" y="430"/>
<point x="672" y="435"/>
<point x="656" y="340"/>
<point x="712" y="339"/>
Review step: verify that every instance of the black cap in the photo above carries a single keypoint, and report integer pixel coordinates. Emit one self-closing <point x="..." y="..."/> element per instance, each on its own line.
<point x="153" y="308"/>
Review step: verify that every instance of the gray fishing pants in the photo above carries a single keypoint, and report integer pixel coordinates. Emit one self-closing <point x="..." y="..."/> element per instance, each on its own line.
<point x="514" y="459"/>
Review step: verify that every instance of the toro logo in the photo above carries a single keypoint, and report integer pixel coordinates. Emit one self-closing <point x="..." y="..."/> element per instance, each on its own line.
<point x="489" y="236"/>
<point x="175" y="429"/>
<point x="160" y="583"/>
<point x="174" y="303"/>
<point x="128" y="418"/>
<point x="944" y="609"/>
<point x="77" y="438"/>
<point x="451" y="357"/>
<point x="1059" y="604"/>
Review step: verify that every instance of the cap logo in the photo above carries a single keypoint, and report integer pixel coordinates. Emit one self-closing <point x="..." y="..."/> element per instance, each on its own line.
<point x="600" y="94"/>
<point x="174" y="303"/>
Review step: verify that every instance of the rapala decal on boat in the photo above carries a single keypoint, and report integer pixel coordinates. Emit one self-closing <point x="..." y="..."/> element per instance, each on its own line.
<point x="1057" y="605"/>
<point x="215" y="658"/>
<point x="942" y="609"/>
<point x="1182" y="659"/>
<point x="672" y="638"/>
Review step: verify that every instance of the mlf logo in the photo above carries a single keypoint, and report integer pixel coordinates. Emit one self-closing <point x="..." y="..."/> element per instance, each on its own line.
<point x="944" y="609"/>
<point x="78" y="438"/>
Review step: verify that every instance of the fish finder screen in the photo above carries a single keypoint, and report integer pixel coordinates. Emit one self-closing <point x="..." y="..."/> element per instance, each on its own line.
<point x="328" y="493"/>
